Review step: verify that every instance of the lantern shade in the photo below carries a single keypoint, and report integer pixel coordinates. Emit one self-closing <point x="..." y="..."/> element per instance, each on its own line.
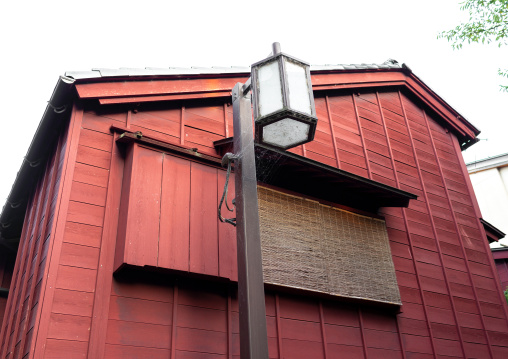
<point x="270" y="90"/>
<point x="299" y="98"/>
<point x="286" y="133"/>
<point x="283" y="101"/>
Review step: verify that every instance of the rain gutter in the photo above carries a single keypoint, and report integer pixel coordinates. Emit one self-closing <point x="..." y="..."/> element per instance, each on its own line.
<point x="57" y="112"/>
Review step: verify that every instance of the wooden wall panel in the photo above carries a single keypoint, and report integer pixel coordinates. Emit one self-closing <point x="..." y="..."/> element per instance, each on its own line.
<point x="21" y="307"/>
<point x="152" y="123"/>
<point x="209" y="119"/>
<point x="69" y="327"/>
<point x="428" y="165"/>
<point x="181" y="191"/>
<point x="138" y="334"/>
<point x="192" y="126"/>
<point x="502" y="270"/>
<point x="131" y="352"/>
<point x="347" y="134"/>
<point x="175" y="209"/>
<point x="323" y="147"/>
<point x="63" y="349"/>
<point x="147" y="174"/>
<point x="203" y="237"/>
<point x="299" y="329"/>
<point x="72" y="301"/>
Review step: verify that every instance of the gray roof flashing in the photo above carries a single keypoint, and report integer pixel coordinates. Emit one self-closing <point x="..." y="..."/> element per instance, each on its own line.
<point x="97" y="73"/>
<point x="496" y="161"/>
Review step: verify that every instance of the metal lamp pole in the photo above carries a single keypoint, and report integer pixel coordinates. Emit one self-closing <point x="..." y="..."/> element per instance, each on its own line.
<point x="251" y="294"/>
<point x="285" y="117"/>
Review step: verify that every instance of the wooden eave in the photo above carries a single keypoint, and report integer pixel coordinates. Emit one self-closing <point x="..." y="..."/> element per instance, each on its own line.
<point x="492" y="231"/>
<point x="166" y="88"/>
<point x="55" y="117"/>
<point x="314" y="179"/>
<point x="500" y="253"/>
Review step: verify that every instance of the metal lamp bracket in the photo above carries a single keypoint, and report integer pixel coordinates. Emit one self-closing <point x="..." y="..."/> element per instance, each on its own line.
<point x="227" y="160"/>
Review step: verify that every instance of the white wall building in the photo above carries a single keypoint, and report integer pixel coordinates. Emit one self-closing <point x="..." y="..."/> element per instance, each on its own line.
<point x="490" y="182"/>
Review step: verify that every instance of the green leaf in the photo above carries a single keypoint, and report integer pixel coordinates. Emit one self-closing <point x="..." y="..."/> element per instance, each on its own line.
<point x="488" y="22"/>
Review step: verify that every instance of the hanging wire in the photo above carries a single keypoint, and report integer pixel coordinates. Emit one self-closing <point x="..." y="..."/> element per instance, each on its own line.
<point x="227" y="160"/>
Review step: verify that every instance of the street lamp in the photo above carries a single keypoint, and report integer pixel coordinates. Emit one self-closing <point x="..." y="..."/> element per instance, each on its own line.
<point x="285" y="117"/>
<point x="283" y="101"/>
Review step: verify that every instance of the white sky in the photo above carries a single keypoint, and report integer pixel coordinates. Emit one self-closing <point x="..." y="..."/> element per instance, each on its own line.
<point x="40" y="40"/>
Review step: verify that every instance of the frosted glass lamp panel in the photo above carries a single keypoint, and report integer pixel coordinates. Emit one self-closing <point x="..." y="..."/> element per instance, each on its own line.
<point x="285" y="133"/>
<point x="270" y="91"/>
<point x="299" y="97"/>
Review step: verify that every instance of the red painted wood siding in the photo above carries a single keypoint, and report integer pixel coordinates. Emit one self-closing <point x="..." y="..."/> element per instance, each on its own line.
<point x="451" y="305"/>
<point x="26" y="284"/>
<point x="7" y="260"/>
<point x="442" y="262"/>
<point x="69" y="298"/>
<point x="502" y="271"/>
<point x="168" y="216"/>
<point x="149" y="317"/>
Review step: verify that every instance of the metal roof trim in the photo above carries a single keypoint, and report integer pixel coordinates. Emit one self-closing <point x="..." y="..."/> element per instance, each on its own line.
<point x="195" y="70"/>
<point x="488" y="163"/>
<point x="490" y="228"/>
<point x="57" y="110"/>
<point x="459" y="117"/>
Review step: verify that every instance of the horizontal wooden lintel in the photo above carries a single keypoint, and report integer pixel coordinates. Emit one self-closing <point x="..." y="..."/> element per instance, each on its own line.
<point x="174" y="97"/>
<point x="126" y="88"/>
<point x="126" y="136"/>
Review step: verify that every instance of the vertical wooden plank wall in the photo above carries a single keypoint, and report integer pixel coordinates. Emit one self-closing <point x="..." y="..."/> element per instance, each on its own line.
<point x="502" y="268"/>
<point x="446" y="280"/>
<point x="65" y="320"/>
<point x="168" y="217"/>
<point x="194" y="200"/>
<point x="71" y="305"/>
<point x="21" y="309"/>
<point x="436" y="245"/>
<point x="149" y="317"/>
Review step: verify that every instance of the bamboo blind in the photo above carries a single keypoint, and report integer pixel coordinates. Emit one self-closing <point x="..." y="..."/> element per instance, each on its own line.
<point x="315" y="247"/>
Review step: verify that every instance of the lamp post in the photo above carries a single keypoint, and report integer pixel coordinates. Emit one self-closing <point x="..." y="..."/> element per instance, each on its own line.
<point x="285" y="117"/>
<point x="284" y="110"/>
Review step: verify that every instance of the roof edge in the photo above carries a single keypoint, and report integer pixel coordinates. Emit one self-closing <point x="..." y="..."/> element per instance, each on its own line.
<point x="459" y="117"/>
<point x="98" y="73"/>
<point x="488" y="163"/>
<point x="467" y="135"/>
<point x="491" y="229"/>
<point x="57" y="110"/>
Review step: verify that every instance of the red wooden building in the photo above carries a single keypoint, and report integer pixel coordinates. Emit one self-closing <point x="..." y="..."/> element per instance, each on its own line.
<point x="112" y="247"/>
<point x="501" y="259"/>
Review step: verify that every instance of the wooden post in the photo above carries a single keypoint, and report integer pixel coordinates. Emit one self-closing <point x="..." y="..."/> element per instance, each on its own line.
<point x="251" y="294"/>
